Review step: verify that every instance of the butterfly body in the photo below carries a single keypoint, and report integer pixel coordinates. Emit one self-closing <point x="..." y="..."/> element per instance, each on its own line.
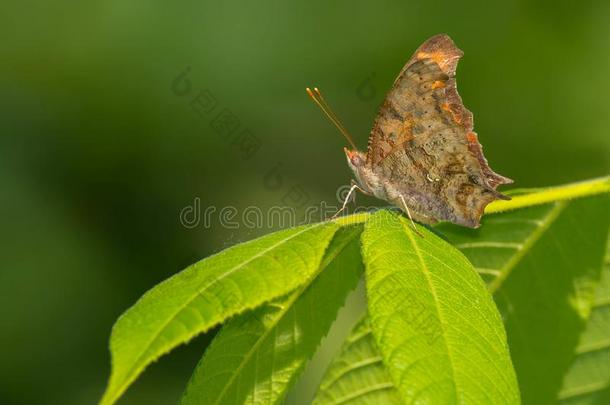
<point x="422" y="149"/>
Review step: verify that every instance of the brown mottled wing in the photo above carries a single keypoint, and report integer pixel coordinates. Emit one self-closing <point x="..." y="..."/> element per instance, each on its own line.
<point x="422" y="141"/>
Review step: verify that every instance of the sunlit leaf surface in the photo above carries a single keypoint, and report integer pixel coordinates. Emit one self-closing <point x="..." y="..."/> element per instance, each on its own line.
<point x="210" y="291"/>
<point x="435" y="323"/>
<point x="543" y="264"/>
<point x="257" y="356"/>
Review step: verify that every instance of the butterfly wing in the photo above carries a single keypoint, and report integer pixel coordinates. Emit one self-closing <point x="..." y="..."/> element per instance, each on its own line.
<point x="423" y="142"/>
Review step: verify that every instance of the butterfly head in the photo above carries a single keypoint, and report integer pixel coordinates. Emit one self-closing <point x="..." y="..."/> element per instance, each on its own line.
<point x="355" y="158"/>
<point x="356" y="161"/>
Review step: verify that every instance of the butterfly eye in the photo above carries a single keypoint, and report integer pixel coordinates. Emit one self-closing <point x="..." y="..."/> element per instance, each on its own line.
<point x="355" y="157"/>
<point x="356" y="160"/>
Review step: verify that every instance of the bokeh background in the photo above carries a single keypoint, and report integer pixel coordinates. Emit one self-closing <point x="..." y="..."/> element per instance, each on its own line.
<point x="100" y="152"/>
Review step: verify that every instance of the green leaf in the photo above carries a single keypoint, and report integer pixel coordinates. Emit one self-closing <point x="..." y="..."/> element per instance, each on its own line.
<point x="588" y="380"/>
<point x="207" y="293"/>
<point x="257" y="356"/>
<point x="434" y="321"/>
<point x="357" y="374"/>
<point x="542" y="264"/>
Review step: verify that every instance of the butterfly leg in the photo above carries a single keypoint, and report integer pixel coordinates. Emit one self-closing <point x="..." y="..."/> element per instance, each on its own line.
<point x="363" y="191"/>
<point x="347" y="198"/>
<point x="404" y="203"/>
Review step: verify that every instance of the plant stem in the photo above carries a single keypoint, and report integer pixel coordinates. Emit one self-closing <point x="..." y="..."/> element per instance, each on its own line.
<point x="551" y="194"/>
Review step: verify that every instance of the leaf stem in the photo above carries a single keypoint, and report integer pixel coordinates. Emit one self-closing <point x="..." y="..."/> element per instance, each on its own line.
<point x="551" y="194"/>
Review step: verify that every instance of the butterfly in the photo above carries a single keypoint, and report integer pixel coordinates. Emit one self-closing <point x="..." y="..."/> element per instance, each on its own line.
<point x="423" y="155"/>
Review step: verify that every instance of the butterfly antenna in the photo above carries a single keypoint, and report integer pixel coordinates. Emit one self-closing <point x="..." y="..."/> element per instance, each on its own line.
<point x="330" y="110"/>
<point x="316" y="96"/>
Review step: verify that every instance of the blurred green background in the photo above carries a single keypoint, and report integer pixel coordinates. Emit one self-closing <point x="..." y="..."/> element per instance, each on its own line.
<point x="99" y="154"/>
